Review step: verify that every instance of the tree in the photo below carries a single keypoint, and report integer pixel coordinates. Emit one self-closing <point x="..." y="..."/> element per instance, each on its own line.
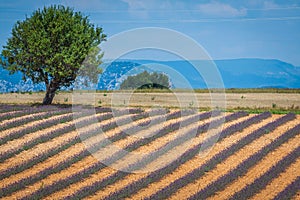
<point x="54" y="46"/>
<point x="146" y="80"/>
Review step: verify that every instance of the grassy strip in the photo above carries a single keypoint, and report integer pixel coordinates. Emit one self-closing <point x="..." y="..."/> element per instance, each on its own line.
<point x="280" y="111"/>
<point x="227" y="90"/>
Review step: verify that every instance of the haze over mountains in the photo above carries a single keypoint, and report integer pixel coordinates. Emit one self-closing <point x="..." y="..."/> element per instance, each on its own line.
<point x="236" y="73"/>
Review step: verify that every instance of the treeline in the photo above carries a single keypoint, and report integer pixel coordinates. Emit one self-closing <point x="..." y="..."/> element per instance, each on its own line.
<point x="146" y="80"/>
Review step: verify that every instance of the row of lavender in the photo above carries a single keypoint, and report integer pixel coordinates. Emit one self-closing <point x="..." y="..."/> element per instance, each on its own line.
<point x="117" y="176"/>
<point x="98" y="166"/>
<point x="242" y="168"/>
<point x="107" y="114"/>
<point x="51" y="134"/>
<point x="174" y="186"/>
<point x="220" y="157"/>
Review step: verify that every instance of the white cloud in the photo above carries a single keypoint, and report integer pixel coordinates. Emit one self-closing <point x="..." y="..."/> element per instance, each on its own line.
<point x="270" y="5"/>
<point x="218" y="9"/>
<point x="137" y="8"/>
<point x="141" y="8"/>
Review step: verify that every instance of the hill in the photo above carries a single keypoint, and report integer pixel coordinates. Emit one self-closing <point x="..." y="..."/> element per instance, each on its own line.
<point x="236" y="73"/>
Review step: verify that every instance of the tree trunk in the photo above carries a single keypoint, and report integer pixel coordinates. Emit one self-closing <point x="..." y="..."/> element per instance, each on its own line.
<point x="50" y="93"/>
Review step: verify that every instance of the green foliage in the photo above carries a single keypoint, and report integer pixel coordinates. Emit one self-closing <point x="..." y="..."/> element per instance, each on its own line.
<point x="146" y="80"/>
<point x="54" y="46"/>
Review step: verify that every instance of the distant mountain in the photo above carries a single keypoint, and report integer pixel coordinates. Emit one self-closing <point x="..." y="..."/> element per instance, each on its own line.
<point x="14" y="82"/>
<point x="236" y="73"/>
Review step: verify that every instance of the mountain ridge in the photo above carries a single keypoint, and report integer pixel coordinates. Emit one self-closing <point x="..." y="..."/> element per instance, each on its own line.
<point x="236" y="73"/>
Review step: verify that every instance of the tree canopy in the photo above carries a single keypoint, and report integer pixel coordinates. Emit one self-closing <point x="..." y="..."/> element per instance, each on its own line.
<point x="146" y="80"/>
<point x="54" y="45"/>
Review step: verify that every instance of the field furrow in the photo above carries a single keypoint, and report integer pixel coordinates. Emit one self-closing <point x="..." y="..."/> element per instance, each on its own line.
<point x="155" y="176"/>
<point x="59" y="152"/>
<point x="196" y="161"/>
<point x="93" y="167"/>
<point x="42" y="151"/>
<point x="292" y="191"/>
<point x="56" y="129"/>
<point x="89" y="180"/>
<point x="273" y="155"/>
<point x="194" y="171"/>
<point x="238" y="163"/>
<point x="23" y="120"/>
<point x="164" y="159"/>
<point x="12" y="112"/>
<point x="70" y="149"/>
<point x="17" y="132"/>
<point x="280" y="183"/>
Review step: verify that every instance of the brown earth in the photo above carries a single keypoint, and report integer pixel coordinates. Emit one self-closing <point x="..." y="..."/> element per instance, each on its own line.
<point x="200" y="100"/>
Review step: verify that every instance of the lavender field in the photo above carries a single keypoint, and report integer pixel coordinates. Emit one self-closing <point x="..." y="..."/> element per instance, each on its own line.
<point x="43" y="154"/>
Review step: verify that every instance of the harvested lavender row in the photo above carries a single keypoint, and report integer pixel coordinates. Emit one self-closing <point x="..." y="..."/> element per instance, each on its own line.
<point x="182" y="139"/>
<point x="72" y="179"/>
<point x="48" y="136"/>
<point x="127" y="191"/>
<point x="271" y="174"/>
<point x="41" y="125"/>
<point x="194" y="133"/>
<point x="210" y="164"/>
<point x="21" y="184"/>
<point x="135" y="145"/>
<point x="216" y="123"/>
<point x="164" y="131"/>
<point x="141" y="183"/>
<point x="234" y="128"/>
<point x="242" y="169"/>
<point x="114" y="124"/>
<point x="29" y="110"/>
<point x="290" y="191"/>
<point x="244" y="124"/>
<point x="123" y="134"/>
<point x="37" y="159"/>
<point x="9" y="108"/>
<point x="42" y="157"/>
<point x="32" y="117"/>
<point x="154" y="176"/>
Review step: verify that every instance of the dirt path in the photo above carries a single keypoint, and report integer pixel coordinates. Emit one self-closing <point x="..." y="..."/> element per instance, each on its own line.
<point x="203" y="100"/>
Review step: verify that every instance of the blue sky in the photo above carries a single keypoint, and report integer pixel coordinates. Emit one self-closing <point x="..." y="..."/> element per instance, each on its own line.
<point x="226" y="29"/>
